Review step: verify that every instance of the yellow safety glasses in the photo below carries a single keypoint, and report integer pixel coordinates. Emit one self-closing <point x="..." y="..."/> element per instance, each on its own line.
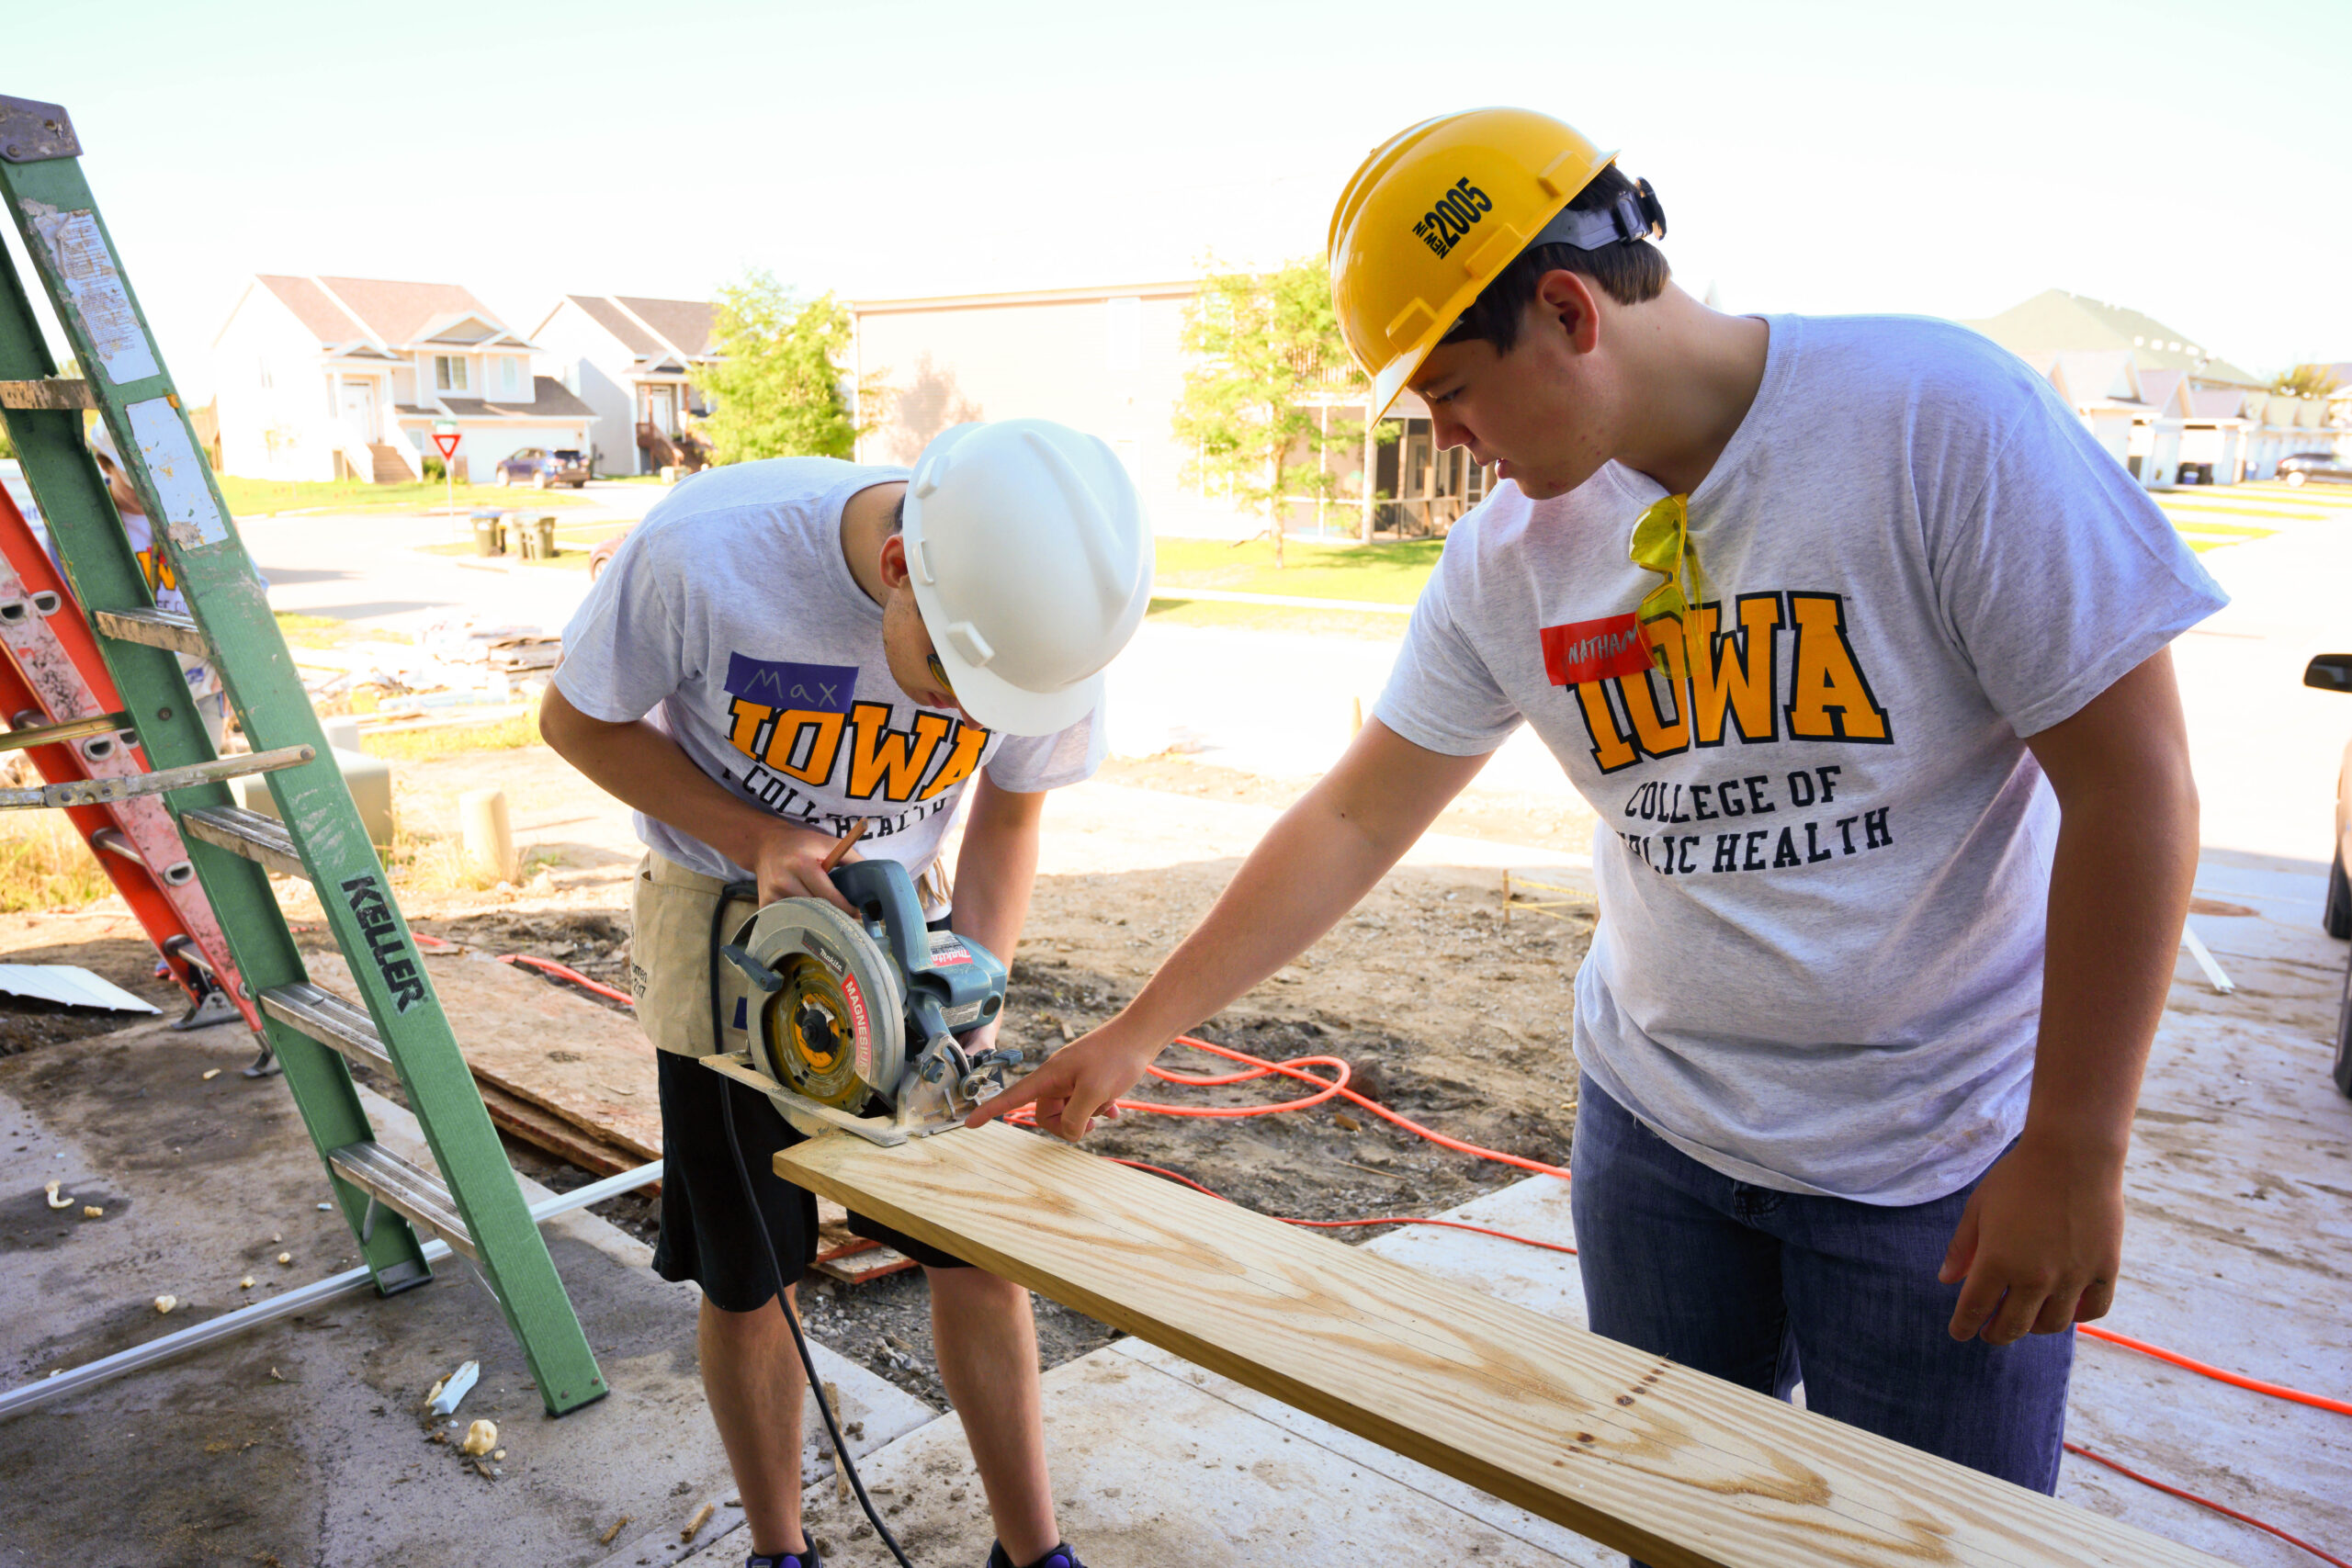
<point x="1662" y="544"/>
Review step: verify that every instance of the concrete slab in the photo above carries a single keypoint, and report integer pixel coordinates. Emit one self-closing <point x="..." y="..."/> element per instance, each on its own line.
<point x="1162" y="1467"/>
<point x="2238" y="1255"/>
<point x="301" y="1442"/>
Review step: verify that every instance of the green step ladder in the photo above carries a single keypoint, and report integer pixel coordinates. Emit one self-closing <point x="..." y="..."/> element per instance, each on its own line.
<point x="475" y="1202"/>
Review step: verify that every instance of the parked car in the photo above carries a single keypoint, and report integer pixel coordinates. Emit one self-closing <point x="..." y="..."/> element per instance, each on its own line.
<point x="2333" y="672"/>
<point x="603" y="554"/>
<point x="538" y="467"/>
<point x="2304" y="467"/>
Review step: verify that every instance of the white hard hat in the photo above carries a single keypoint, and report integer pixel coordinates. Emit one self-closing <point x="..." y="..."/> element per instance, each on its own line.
<point x="1030" y="562"/>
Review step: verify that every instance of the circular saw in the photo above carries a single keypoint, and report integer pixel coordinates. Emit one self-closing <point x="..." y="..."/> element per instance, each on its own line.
<point x="854" y="1017"/>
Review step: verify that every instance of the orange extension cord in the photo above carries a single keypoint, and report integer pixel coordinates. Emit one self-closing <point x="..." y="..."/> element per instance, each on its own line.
<point x="1336" y="1086"/>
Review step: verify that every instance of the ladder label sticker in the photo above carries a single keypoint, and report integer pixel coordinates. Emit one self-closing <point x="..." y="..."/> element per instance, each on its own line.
<point x="394" y="962"/>
<point x="86" y="268"/>
<point x="190" y="514"/>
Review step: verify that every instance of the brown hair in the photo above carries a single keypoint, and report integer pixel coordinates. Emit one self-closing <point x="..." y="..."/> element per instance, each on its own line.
<point x="1628" y="271"/>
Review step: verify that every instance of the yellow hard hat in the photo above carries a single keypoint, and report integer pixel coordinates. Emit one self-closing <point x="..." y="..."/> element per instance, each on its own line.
<point x="1437" y="211"/>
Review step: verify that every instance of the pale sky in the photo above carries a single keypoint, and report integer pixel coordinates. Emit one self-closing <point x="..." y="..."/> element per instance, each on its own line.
<point x="2190" y="161"/>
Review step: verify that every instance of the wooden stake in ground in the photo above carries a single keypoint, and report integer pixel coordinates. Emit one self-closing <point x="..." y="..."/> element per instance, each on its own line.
<point x="841" y="1476"/>
<point x="489" y="835"/>
<point x="1680" y="1468"/>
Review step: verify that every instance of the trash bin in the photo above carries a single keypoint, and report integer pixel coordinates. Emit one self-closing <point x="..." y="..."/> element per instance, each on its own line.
<point x="514" y="534"/>
<point x="543" y="537"/>
<point x="486" y="539"/>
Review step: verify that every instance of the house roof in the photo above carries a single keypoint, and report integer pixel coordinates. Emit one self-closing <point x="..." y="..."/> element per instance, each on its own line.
<point x="314" y="307"/>
<point x="551" y="400"/>
<point x="654" y="331"/>
<point x="615" y="320"/>
<point x="2216" y="403"/>
<point x="339" y="310"/>
<point x="686" y="325"/>
<point x="2055" y="321"/>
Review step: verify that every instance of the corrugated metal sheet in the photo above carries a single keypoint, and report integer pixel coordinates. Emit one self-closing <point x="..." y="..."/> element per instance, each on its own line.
<point x="69" y="984"/>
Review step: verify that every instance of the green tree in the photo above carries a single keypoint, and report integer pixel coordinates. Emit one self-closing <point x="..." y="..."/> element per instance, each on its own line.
<point x="1259" y="343"/>
<point x="776" y="390"/>
<point x="2306" y="382"/>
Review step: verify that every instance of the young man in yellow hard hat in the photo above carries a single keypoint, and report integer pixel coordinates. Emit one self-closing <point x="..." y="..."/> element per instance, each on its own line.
<point x="1858" y="645"/>
<point x="781" y="649"/>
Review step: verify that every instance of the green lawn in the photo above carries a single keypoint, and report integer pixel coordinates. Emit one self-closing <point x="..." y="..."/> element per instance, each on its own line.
<point x="258" y="498"/>
<point x="1380" y="574"/>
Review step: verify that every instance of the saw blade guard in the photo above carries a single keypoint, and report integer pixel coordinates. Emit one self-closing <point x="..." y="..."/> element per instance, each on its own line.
<point x="835" y="1029"/>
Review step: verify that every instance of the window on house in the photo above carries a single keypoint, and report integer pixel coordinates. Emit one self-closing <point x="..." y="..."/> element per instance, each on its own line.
<point x="449" y="372"/>
<point x="510" y="378"/>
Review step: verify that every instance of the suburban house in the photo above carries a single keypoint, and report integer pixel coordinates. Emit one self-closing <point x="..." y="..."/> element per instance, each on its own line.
<point x="344" y="377"/>
<point x="1111" y="362"/>
<point x="2167" y="407"/>
<point x="633" y="362"/>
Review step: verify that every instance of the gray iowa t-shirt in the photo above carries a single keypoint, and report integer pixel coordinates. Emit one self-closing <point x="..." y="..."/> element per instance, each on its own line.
<point x="730" y="616"/>
<point x="1824" y="879"/>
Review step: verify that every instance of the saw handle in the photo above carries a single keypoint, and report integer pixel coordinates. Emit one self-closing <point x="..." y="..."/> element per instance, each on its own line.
<point x="884" y="896"/>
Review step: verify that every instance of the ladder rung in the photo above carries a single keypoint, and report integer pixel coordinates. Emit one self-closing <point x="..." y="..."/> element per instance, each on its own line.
<point x="114" y="841"/>
<point x="248" y="833"/>
<point x="127" y="786"/>
<point x="17" y="739"/>
<point x="409" y="1190"/>
<point x="56" y="392"/>
<point x="155" y="628"/>
<point x="329" y="1020"/>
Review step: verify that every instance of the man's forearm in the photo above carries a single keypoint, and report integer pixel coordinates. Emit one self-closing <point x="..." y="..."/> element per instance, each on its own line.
<point x="2119" y="891"/>
<point x="997" y="869"/>
<point x="642" y="767"/>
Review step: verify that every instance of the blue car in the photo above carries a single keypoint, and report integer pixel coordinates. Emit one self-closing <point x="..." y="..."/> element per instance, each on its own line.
<point x="539" y="469"/>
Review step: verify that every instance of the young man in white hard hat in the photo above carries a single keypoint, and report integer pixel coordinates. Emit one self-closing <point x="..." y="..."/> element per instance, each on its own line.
<point x="780" y="649"/>
<point x="1858" y="645"/>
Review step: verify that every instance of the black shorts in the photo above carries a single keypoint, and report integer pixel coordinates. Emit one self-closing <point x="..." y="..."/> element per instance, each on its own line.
<point x="707" y="1234"/>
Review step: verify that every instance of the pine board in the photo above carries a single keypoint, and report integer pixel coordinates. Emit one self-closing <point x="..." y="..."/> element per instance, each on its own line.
<point x="1682" y="1469"/>
<point x="550" y="1134"/>
<point x="586" y="1064"/>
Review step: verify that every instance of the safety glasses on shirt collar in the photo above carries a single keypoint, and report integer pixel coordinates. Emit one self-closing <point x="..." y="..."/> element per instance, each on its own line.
<point x="1662" y="544"/>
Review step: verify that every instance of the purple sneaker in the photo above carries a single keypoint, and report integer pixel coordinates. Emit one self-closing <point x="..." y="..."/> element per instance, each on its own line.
<point x="1061" y="1556"/>
<point x="803" y="1558"/>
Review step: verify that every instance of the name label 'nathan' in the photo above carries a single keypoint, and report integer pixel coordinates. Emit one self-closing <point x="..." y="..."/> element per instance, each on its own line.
<point x="393" y="960"/>
<point x="1599" y="650"/>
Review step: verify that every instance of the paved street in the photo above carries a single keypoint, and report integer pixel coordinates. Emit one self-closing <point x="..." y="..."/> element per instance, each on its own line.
<point x="1279" y="704"/>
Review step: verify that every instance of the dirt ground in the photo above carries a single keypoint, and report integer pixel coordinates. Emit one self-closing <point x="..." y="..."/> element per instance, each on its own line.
<point x="1445" y="1011"/>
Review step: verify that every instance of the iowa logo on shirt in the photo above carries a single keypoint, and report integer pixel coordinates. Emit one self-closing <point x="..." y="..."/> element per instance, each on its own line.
<point x="1784" y="670"/>
<point x="804" y="722"/>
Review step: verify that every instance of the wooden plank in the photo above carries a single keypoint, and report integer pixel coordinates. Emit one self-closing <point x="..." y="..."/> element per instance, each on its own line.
<point x="550" y="1134"/>
<point x="1682" y="1469"/>
<point x="585" y="1064"/>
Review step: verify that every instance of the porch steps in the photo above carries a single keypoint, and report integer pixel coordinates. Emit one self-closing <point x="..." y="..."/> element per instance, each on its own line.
<point x="389" y="468"/>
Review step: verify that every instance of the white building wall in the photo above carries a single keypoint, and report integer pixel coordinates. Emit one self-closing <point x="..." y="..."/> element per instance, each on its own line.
<point x="584" y="356"/>
<point x="271" y="382"/>
<point x="1110" y="364"/>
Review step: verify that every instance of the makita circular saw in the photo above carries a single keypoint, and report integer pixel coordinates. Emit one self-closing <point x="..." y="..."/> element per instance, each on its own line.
<point x="853" y="1019"/>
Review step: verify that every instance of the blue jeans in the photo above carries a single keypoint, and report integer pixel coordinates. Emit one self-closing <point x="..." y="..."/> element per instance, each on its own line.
<point x="1767" y="1289"/>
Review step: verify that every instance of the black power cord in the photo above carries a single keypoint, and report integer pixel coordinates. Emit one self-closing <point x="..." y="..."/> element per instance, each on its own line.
<point x="767" y="1246"/>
